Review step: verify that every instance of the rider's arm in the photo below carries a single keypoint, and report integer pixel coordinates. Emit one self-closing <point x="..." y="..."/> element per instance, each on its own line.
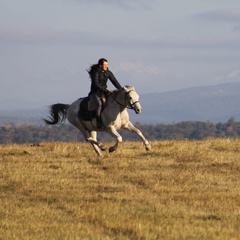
<point x="114" y="80"/>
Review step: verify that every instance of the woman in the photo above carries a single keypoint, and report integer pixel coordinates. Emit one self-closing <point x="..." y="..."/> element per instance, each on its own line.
<point x="99" y="74"/>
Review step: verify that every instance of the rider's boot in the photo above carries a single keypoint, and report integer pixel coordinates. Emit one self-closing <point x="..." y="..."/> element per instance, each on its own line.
<point x="99" y="122"/>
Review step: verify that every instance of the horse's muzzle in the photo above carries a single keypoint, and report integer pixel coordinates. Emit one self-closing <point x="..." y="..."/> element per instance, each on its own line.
<point x="137" y="107"/>
<point x="138" y="110"/>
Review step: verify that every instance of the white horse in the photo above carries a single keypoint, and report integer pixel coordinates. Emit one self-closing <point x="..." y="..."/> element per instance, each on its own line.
<point x="114" y="116"/>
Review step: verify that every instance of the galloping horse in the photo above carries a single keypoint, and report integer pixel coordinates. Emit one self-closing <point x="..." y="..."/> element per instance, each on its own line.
<point x="114" y="116"/>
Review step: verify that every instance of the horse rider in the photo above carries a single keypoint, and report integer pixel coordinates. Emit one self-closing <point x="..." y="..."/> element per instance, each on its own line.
<point x="99" y="74"/>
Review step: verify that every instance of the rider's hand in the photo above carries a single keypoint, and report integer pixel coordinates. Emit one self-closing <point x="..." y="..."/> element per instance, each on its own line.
<point x="108" y="92"/>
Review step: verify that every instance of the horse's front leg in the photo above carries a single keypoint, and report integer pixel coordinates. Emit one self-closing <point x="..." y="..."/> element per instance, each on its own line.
<point x="130" y="127"/>
<point x="113" y="132"/>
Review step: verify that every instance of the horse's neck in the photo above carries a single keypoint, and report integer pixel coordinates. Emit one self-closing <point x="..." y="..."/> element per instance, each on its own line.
<point x="116" y="101"/>
<point x="115" y="112"/>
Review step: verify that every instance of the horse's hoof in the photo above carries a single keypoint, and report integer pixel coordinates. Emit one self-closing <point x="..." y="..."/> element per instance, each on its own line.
<point x="103" y="148"/>
<point x="112" y="149"/>
<point x="149" y="148"/>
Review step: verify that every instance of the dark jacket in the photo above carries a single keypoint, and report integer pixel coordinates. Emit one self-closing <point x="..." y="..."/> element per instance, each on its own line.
<point x="99" y="80"/>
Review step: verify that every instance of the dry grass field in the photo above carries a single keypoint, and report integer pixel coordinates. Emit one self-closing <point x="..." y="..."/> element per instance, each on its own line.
<point x="180" y="190"/>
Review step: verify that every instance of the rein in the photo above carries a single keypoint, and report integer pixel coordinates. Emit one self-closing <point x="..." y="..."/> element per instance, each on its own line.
<point x="125" y="105"/>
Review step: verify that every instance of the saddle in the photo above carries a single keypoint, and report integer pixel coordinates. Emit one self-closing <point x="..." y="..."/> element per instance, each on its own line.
<point x="87" y="108"/>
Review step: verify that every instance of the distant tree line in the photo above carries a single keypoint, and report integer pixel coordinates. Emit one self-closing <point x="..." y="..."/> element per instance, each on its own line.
<point x="67" y="133"/>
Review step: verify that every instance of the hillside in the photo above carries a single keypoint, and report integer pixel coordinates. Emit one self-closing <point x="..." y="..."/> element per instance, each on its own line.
<point x="216" y="103"/>
<point x="208" y="103"/>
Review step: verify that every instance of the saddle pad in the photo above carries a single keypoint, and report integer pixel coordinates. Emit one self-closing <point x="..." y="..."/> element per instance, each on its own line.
<point x="83" y="112"/>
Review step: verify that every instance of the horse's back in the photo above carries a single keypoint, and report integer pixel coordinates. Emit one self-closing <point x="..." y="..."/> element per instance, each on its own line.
<point x="73" y="110"/>
<point x="81" y="109"/>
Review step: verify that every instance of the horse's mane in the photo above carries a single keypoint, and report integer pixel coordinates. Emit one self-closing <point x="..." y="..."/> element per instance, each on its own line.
<point x="126" y="88"/>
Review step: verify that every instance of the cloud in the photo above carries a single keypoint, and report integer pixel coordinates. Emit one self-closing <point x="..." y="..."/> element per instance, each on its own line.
<point x="226" y="15"/>
<point x="42" y="36"/>
<point x="229" y="76"/>
<point x="125" y="4"/>
<point x="237" y="28"/>
<point x="233" y="74"/>
<point x="213" y="42"/>
<point x="140" y="68"/>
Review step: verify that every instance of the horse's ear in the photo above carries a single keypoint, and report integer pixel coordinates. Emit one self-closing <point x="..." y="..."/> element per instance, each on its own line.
<point x="128" y="88"/>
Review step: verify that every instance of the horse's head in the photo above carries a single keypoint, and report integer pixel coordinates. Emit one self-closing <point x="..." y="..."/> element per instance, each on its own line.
<point x="132" y="99"/>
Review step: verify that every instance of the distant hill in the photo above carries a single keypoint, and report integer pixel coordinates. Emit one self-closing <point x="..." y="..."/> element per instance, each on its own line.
<point x="208" y="103"/>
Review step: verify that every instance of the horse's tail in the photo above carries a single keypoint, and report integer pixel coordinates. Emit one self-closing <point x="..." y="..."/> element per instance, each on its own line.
<point x="58" y="113"/>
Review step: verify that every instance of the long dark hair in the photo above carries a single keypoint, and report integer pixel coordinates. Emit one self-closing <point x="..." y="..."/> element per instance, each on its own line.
<point x="95" y="67"/>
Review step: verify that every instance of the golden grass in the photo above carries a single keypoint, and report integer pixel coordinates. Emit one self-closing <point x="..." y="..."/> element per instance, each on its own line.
<point x="180" y="190"/>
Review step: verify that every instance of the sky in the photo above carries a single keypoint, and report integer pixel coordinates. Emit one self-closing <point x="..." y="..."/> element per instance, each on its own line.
<point x="46" y="46"/>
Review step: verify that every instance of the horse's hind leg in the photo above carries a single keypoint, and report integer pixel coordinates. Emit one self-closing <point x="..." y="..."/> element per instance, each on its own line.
<point x="92" y="138"/>
<point x="94" y="141"/>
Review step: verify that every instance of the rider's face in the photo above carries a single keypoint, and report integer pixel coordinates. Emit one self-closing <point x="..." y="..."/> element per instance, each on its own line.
<point x="104" y="67"/>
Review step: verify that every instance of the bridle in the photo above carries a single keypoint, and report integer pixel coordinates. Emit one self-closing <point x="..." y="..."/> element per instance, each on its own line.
<point x="125" y="105"/>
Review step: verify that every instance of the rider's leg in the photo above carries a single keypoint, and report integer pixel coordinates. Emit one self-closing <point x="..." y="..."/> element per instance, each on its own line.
<point x="98" y="103"/>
